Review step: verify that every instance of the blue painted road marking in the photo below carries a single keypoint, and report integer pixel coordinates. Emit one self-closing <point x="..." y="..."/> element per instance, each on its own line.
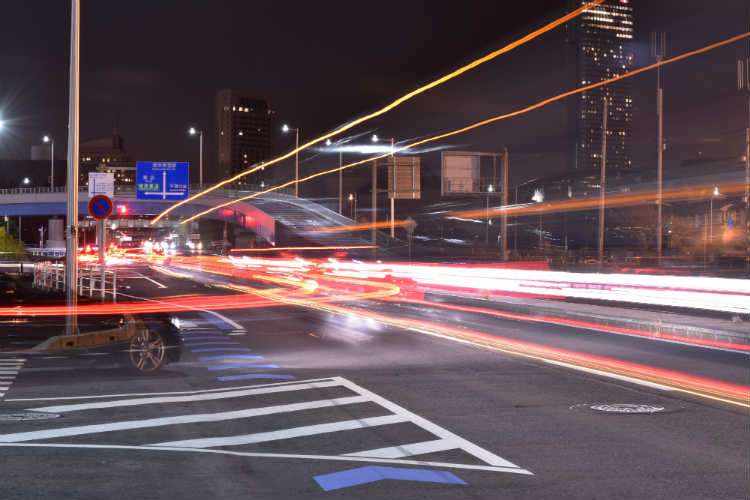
<point x="205" y="338"/>
<point x="241" y="365"/>
<point x="211" y="343"/>
<point x="372" y="473"/>
<point x="206" y="332"/>
<point x="222" y="349"/>
<point x="230" y="356"/>
<point x="229" y="378"/>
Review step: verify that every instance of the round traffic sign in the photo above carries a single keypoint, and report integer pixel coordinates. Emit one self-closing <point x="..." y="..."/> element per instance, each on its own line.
<point x="100" y="206"/>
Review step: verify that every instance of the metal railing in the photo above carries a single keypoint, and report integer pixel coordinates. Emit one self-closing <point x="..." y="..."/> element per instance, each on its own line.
<point x="92" y="280"/>
<point x="45" y="252"/>
<point x="97" y="280"/>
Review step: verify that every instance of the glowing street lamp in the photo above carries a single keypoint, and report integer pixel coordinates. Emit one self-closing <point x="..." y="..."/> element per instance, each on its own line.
<point x="48" y="139"/>
<point x="194" y="131"/>
<point x="711" y="213"/>
<point x="1" y="124"/>
<point x="539" y="197"/>
<point x="26" y="181"/>
<point x="285" y="128"/>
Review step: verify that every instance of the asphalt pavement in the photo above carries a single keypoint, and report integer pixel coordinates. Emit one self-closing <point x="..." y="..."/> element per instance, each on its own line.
<point x="292" y="402"/>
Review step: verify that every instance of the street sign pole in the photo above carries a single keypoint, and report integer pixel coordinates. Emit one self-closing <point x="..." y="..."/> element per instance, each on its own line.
<point x="71" y="243"/>
<point x="100" y="240"/>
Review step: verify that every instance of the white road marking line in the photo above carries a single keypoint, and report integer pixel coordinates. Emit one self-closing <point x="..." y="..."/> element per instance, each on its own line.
<point x="308" y="430"/>
<point x="141" y="276"/>
<point x="178" y="419"/>
<point x="201" y="391"/>
<point x="237" y="326"/>
<point x="610" y="375"/>
<point x="8" y="372"/>
<point x="425" y="424"/>
<point x="250" y="454"/>
<point x="407" y="450"/>
<point x="181" y="399"/>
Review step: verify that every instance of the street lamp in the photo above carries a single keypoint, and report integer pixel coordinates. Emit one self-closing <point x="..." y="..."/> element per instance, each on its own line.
<point x="194" y="131"/>
<point x="26" y="181"/>
<point x="490" y="190"/>
<point x="285" y="128"/>
<point x="48" y="139"/>
<point x="539" y="198"/>
<point x="711" y="213"/>
<point x="1" y="124"/>
<point x="353" y="209"/>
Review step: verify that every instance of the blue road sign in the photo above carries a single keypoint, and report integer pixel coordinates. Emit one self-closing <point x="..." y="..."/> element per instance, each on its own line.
<point x="162" y="180"/>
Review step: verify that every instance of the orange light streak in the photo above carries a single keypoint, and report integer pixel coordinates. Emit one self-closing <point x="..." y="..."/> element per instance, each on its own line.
<point x="478" y="124"/>
<point x="700" y="192"/>
<point x="424" y="88"/>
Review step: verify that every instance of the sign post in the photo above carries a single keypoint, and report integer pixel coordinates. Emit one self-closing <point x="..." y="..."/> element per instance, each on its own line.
<point x="100" y="207"/>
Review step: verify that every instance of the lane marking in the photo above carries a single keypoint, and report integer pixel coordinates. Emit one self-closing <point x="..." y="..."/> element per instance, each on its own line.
<point x="212" y="343"/>
<point x="212" y="396"/>
<point x="610" y="375"/>
<point x="220" y="349"/>
<point x="206" y="338"/>
<point x="307" y="430"/>
<point x="223" y="319"/>
<point x="467" y="446"/>
<point x="242" y="365"/>
<point x="248" y="376"/>
<point x="229" y="356"/>
<point x="80" y="430"/>
<point x="407" y="450"/>
<point x="250" y="454"/>
<point x="373" y="473"/>
<point x="200" y="391"/>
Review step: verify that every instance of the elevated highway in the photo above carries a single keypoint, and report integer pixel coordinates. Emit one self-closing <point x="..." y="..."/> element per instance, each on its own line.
<point x="277" y="218"/>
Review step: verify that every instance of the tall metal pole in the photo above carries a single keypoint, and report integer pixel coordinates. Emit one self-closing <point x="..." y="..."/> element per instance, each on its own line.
<point x="504" y="219"/>
<point x="71" y="244"/>
<point x="200" y="161"/>
<point x="296" y="162"/>
<point x="341" y="184"/>
<point x="658" y="51"/>
<point x="52" y="164"/>
<point x="374" y="207"/>
<point x="603" y="184"/>
<point x="393" y="194"/>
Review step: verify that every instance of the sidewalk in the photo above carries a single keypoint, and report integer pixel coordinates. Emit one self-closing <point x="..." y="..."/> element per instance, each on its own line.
<point x="690" y="326"/>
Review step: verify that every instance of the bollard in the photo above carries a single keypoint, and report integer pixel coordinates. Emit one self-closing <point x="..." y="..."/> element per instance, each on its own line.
<point x="104" y="283"/>
<point x="114" y="285"/>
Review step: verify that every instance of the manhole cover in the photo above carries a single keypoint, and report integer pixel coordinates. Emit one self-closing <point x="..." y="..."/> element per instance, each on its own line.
<point x="26" y="416"/>
<point x="626" y="408"/>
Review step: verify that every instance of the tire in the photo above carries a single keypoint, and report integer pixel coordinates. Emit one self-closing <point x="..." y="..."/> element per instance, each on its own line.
<point x="148" y="351"/>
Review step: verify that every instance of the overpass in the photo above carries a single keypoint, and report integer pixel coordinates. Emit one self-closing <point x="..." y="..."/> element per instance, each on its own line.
<point x="278" y="218"/>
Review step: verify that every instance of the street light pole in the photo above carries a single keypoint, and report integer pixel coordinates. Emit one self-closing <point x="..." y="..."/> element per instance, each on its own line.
<point x="193" y="131"/>
<point x="71" y="247"/>
<point x="658" y="51"/>
<point x="393" y="194"/>
<point x="296" y="162"/>
<point x="603" y="184"/>
<point x="504" y="222"/>
<point x="48" y="138"/>
<point x="341" y="183"/>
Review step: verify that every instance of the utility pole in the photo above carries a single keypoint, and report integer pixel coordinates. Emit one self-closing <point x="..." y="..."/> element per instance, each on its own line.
<point x="71" y="247"/>
<point x="743" y="85"/>
<point x="603" y="184"/>
<point x="658" y="51"/>
<point x="374" y="208"/>
<point x="296" y="162"/>
<point x="393" y="194"/>
<point x="341" y="183"/>
<point x="504" y="219"/>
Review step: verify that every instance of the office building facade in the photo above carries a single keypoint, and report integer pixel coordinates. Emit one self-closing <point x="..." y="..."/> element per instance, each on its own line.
<point x="243" y="134"/>
<point x="602" y="38"/>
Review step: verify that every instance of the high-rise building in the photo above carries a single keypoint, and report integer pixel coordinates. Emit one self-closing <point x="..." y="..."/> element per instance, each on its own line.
<point x="243" y="133"/>
<point x="603" y="40"/>
<point x="106" y="155"/>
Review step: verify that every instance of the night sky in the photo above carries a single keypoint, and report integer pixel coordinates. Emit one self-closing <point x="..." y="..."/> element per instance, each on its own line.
<point x="155" y="66"/>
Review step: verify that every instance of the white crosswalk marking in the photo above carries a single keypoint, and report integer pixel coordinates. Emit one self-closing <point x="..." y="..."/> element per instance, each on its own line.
<point x="9" y="368"/>
<point x="308" y="430"/>
<point x="250" y="395"/>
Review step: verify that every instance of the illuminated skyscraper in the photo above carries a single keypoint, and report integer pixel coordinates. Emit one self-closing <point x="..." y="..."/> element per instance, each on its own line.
<point x="603" y="40"/>
<point x="243" y="133"/>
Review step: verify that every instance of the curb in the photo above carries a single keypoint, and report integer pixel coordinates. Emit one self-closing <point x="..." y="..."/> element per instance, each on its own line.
<point x="655" y="327"/>
<point x="62" y="342"/>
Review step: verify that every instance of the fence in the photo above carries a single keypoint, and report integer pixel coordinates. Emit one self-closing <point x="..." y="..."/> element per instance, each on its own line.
<point x="92" y="280"/>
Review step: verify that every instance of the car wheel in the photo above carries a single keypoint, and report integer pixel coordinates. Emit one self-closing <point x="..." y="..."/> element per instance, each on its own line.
<point x="148" y="351"/>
